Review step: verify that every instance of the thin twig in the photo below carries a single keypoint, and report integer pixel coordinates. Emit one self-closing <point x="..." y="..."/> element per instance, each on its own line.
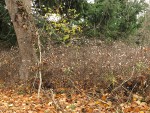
<point x="85" y="95"/>
<point x="39" y="65"/>
<point x="55" y="103"/>
<point x="125" y="81"/>
<point x="131" y="92"/>
<point x="74" y="85"/>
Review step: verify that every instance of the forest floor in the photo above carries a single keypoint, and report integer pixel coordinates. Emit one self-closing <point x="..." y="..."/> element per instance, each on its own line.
<point x="60" y="101"/>
<point x="90" y="79"/>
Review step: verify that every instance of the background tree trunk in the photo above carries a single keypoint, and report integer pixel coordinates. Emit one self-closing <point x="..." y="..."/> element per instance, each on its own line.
<point x="23" y="22"/>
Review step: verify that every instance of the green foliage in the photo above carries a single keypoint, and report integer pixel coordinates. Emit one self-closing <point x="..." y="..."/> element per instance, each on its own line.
<point x="61" y="6"/>
<point x="115" y="18"/>
<point x="7" y="33"/>
<point x="63" y="30"/>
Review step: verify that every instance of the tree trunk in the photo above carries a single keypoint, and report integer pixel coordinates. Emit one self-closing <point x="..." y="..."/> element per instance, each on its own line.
<point x="21" y="17"/>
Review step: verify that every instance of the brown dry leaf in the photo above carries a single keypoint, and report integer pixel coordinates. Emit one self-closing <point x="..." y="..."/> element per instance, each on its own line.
<point x="89" y="110"/>
<point x="133" y="105"/>
<point x="137" y="97"/>
<point x="127" y="109"/>
<point x="104" y="97"/>
<point x="145" y="107"/>
<point x="136" y="109"/>
<point x="109" y="103"/>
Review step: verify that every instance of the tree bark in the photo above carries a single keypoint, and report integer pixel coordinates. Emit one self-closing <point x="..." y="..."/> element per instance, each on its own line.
<point x="23" y="22"/>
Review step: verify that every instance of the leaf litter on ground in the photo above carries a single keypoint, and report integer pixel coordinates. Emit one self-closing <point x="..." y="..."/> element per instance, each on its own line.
<point x="12" y="102"/>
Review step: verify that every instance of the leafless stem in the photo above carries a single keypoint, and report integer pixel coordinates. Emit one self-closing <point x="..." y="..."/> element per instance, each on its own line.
<point x="55" y="103"/>
<point x="39" y="64"/>
<point x="131" y="92"/>
<point x="125" y="80"/>
<point x="85" y="95"/>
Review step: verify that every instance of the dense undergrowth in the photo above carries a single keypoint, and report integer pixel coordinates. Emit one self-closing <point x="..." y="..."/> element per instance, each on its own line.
<point x="95" y="68"/>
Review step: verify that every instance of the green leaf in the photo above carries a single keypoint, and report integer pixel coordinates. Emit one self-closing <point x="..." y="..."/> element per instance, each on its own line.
<point x="66" y="37"/>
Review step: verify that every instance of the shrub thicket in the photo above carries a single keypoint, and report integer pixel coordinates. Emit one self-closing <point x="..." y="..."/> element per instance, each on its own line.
<point x="114" y="19"/>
